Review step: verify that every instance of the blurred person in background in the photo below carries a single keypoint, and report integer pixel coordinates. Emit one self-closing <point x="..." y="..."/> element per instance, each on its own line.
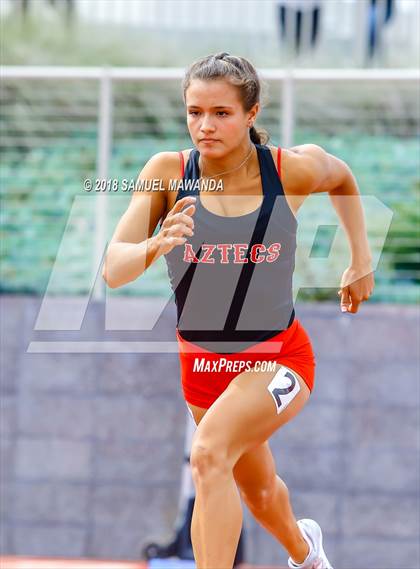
<point x="292" y="14"/>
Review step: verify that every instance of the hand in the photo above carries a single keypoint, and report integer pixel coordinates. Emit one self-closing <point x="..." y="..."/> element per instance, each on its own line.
<point x="176" y="224"/>
<point x="357" y="285"/>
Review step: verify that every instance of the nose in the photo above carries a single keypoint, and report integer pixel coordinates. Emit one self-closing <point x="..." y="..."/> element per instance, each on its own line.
<point x="206" y="124"/>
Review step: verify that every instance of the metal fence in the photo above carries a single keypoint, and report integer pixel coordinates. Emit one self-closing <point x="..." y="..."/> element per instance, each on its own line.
<point x="106" y="121"/>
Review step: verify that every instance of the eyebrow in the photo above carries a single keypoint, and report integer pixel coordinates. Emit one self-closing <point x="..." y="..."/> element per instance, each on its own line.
<point x="216" y="107"/>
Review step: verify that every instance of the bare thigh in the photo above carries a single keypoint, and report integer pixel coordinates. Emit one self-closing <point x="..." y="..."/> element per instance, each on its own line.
<point x="255" y="468"/>
<point x="248" y="412"/>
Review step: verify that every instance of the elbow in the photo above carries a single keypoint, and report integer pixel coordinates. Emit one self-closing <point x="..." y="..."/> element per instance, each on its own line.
<point x="108" y="282"/>
<point x="107" y="278"/>
<point x="341" y="179"/>
<point x="107" y="272"/>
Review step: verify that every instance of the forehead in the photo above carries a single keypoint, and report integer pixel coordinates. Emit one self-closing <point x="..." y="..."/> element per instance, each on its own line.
<point x="211" y="93"/>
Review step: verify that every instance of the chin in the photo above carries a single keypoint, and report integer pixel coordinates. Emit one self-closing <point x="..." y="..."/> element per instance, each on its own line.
<point x="216" y="149"/>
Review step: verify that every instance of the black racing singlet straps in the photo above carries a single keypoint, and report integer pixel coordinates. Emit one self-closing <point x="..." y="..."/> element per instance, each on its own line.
<point x="248" y="268"/>
<point x="272" y="187"/>
<point x="188" y="172"/>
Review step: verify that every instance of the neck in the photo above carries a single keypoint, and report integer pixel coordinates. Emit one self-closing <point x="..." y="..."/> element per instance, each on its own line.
<point x="212" y="166"/>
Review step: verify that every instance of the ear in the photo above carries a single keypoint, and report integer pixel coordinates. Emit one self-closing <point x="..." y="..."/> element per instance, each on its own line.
<point x="252" y="114"/>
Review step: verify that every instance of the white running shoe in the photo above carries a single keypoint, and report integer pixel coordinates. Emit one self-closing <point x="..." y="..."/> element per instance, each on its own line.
<point x="316" y="559"/>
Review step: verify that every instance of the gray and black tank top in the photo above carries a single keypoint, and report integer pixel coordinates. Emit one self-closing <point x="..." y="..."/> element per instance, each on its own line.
<point x="233" y="278"/>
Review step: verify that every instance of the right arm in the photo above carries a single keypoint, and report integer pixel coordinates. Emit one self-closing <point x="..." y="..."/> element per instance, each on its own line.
<point x="132" y="248"/>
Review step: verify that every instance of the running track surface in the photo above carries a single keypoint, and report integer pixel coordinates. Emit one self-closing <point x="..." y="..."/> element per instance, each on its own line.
<point x="10" y="562"/>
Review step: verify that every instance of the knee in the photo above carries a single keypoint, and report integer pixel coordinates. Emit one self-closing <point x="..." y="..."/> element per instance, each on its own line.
<point x="206" y="459"/>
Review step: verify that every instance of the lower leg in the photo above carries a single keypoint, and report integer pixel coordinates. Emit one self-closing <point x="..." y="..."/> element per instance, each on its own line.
<point x="217" y="520"/>
<point x="196" y="538"/>
<point x="276" y="515"/>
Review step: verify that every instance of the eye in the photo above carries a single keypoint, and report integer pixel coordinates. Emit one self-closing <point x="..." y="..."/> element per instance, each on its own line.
<point x="223" y="113"/>
<point x="193" y="113"/>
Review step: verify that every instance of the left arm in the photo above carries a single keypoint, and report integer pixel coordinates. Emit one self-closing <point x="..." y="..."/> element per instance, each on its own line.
<point x="327" y="173"/>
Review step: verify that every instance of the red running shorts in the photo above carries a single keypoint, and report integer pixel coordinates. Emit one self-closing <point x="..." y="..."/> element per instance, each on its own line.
<point x="205" y="375"/>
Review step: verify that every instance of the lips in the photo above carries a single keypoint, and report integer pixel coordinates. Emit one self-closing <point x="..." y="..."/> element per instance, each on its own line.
<point x="208" y="140"/>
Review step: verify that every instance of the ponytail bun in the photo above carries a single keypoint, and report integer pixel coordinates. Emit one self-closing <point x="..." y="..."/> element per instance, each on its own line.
<point x="258" y="136"/>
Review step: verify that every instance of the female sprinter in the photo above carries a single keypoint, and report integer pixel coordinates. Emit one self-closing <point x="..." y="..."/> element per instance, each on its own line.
<point x="230" y="257"/>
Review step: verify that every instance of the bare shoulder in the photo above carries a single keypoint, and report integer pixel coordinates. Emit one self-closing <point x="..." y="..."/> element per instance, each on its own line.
<point x="166" y="165"/>
<point x="146" y="208"/>
<point x="162" y="165"/>
<point x="303" y="167"/>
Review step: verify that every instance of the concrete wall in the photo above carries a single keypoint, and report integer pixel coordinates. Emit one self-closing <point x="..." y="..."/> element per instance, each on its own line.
<point x="92" y="444"/>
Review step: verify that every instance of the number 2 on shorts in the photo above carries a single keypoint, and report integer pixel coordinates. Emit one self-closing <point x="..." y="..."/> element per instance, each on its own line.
<point x="283" y="387"/>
